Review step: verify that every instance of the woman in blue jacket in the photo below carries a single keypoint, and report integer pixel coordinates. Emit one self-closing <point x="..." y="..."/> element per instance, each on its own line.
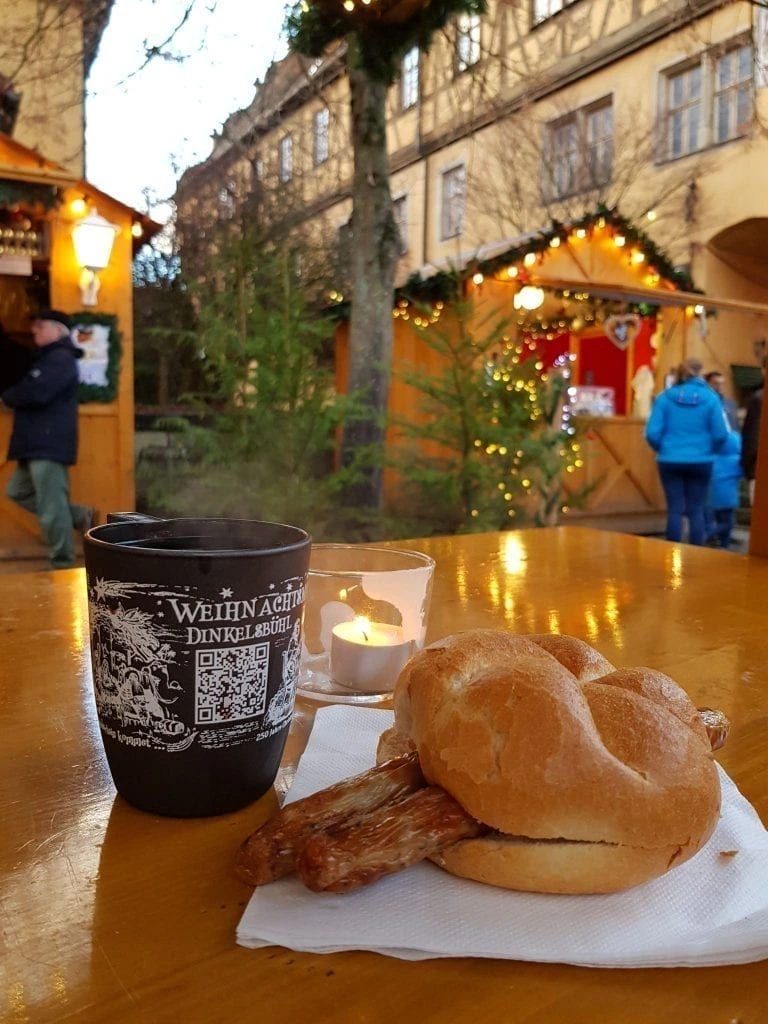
<point x="686" y="428"/>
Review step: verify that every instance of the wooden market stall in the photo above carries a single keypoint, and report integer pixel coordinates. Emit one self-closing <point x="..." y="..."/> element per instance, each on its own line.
<point x="40" y="205"/>
<point x="622" y="347"/>
<point x="600" y="292"/>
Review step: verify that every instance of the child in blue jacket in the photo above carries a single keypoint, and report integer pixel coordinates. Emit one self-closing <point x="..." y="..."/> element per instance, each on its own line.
<point x="724" y="488"/>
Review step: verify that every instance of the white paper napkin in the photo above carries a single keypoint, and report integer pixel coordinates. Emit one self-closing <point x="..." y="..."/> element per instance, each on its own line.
<point x="711" y="910"/>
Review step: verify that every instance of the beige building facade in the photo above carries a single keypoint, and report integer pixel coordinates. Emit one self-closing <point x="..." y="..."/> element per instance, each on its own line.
<point x="46" y="51"/>
<point x="539" y="112"/>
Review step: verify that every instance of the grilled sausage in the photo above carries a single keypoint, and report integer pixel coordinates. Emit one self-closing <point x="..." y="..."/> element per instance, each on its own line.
<point x="271" y="851"/>
<point x="385" y="840"/>
<point x="717" y="726"/>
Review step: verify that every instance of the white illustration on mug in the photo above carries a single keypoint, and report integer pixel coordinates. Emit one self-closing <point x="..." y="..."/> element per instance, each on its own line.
<point x="136" y="673"/>
<point x="281" y="706"/>
<point x="133" y="668"/>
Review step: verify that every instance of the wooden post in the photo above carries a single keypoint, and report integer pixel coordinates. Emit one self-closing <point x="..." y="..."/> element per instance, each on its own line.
<point x="629" y="376"/>
<point x="758" y="537"/>
<point x="574" y="349"/>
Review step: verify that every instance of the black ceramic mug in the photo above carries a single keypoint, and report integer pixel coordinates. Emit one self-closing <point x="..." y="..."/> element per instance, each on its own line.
<point x="195" y="647"/>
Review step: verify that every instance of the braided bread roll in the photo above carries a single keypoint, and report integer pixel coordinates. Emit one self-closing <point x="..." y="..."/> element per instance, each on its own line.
<point x="593" y="779"/>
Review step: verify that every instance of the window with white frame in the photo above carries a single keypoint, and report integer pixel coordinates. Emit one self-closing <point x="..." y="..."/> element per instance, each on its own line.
<point x="761" y="48"/>
<point x="543" y="9"/>
<point x="320" y="135"/>
<point x="708" y="100"/>
<point x="598" y="132"/>
<point x="468" y="28"/>
<point x="285" y="158"/>
<point x="227" y="201"/>
<point x="400" y="213"/>
<point x="578" y="151"/>
<point x="732" y="93"/>
<point x="561" y="172"/>
<point x="453" y="201"/>
<point x="409" y="79"/>
<point x="684" y="109"/>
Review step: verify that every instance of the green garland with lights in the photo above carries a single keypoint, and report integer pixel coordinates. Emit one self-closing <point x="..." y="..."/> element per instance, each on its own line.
<point x="446" y="286"/>
<point x="595" y="310"/>
<point x="378" y="45"/>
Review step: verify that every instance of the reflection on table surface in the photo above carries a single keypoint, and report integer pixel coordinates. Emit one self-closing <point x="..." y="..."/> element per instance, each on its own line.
<point x="112" y="914"/>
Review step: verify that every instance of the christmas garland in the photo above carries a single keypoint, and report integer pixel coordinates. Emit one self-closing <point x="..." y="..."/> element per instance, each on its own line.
<point x="443" y="286"/>
<point x="377" y="44"/>
<point x="446" y="286"/>
<point x="29" y="193"/>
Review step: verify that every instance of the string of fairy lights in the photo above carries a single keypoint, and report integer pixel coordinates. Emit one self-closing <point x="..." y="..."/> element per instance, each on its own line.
<point x="517" y="469"/>
<point x="357" y="6"/>
<point x="349" y="5"/>
<point x="422" y="300"/>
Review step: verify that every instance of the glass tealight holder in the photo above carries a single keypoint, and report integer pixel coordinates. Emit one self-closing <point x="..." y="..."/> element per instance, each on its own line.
<point x="365" y="614"/>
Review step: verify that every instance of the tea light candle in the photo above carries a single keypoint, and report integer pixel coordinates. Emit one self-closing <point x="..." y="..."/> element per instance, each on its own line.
<point x="368" y="656"/>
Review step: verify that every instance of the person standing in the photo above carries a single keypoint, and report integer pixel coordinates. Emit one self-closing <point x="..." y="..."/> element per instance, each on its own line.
<point x="44" y="436"/>
<point x="686" y="428"/>
<point x="716" y="381"/>
<point x="724" y="489"/>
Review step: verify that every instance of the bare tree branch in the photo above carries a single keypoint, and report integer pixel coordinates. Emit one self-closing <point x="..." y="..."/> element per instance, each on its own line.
<point x="160" y="51"/>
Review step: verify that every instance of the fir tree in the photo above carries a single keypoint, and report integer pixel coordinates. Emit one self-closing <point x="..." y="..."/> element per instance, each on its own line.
<point x="268" y="405"/>
<point x="491" y="442"/>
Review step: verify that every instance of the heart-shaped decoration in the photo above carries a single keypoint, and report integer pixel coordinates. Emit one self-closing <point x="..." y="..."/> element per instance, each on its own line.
<point x="622" y="330"/>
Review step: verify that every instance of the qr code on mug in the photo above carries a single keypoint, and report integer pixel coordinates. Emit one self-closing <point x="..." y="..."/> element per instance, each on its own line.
<point x="231" y="683"/>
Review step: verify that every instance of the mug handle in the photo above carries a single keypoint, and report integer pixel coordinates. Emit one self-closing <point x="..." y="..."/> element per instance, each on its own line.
<point x="132" y="517"/>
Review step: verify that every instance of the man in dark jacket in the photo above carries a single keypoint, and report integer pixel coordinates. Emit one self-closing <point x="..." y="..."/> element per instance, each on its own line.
<point x="716" y="381"/>
<point x="44" y="436"/>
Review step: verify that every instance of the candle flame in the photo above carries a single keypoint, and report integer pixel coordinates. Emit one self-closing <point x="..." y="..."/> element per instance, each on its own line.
<point x="364" y="625"/>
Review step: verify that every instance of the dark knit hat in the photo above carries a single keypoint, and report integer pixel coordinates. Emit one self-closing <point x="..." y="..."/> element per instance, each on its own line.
<point x="56" y="315"/>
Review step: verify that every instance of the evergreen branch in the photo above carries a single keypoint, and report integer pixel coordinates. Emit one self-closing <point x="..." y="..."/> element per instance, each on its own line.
<point x="379" y="45"/>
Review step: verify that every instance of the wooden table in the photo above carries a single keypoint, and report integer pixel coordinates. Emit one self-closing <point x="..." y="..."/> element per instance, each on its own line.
<point x="109" y="914"/>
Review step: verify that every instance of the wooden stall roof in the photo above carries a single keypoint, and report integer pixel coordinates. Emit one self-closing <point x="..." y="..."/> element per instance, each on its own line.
<point x="592" y="259"/>
<point x="636" y="293"/>
<point x="19" y="163"/>
<point x="594" y="262"/>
